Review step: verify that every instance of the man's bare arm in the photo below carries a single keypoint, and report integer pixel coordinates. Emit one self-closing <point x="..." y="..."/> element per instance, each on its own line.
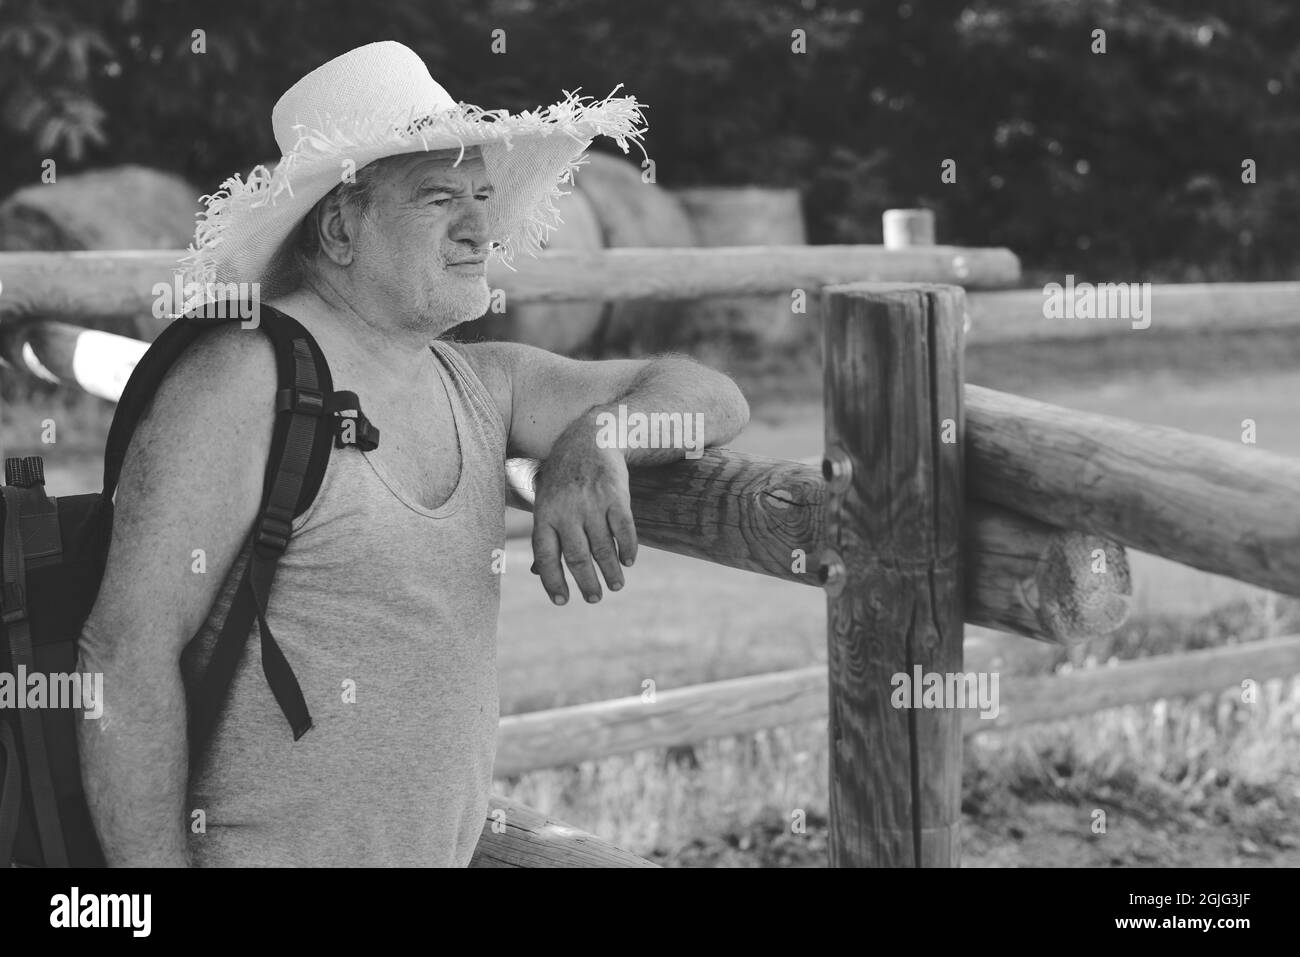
<point x="555" y="408"/>
<point x="192" y="479"/>
<point x="542" y="395"/>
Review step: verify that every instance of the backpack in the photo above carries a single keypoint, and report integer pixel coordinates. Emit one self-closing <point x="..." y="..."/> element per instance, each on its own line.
<point x="54" y="552"/>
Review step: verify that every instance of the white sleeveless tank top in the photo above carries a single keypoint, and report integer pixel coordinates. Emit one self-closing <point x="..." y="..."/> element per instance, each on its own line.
<point x="387" y="613"/>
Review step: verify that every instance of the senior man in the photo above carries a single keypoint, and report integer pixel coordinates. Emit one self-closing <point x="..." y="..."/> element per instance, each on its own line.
<point x="386" y="601"/>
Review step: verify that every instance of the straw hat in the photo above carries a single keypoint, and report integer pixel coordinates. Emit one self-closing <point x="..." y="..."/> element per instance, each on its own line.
<point x="376" y="101"/>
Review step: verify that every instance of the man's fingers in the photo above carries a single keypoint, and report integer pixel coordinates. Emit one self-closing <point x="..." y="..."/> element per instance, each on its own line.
<point x="546" y="560"/>
<point x="605" y="554"/>
<point x="577" y="556"/>
<point x="624" y="530"/>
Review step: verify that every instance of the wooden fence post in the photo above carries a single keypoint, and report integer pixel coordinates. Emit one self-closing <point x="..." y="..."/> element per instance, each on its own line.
<point x="892" y="569"/>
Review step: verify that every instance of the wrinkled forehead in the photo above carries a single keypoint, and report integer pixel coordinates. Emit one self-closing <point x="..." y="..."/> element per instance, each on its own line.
<point x="411" y="169"/>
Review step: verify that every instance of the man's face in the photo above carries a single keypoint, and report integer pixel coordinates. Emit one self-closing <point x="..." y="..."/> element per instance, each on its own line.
<point x="425" y="241"/>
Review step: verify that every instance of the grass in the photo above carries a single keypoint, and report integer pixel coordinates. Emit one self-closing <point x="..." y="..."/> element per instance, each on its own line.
<point x="1206" y="781"/>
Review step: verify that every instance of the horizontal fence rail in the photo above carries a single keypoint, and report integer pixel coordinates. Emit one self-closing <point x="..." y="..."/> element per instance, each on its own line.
<point x="1211" y="504"/>
<point x="81" y="286"/>
<point x="767" y="515"/>
<point x="1017" y="315"/>
<point x="518" y="836"/>
<point x="571" y="735"/>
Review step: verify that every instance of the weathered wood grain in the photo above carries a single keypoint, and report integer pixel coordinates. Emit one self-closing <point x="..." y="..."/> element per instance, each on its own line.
<point x="766" y="515"/>
<point x="1218" y="506"/>
<point x="1026" y="577"/>
<point x="893" y="388"/>
<point x="517" y="836"/>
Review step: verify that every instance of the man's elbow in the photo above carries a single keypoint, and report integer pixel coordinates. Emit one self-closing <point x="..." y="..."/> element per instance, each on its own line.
<point x="730" y="410"/>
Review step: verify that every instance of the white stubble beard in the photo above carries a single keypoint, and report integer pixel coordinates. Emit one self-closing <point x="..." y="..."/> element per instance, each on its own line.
<point x="451" y="299"/>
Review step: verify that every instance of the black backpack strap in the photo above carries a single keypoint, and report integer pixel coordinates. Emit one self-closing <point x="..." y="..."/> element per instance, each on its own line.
<point x="140" y="388"/>
<point x="13" y="611"/>
<point x="11" y="793"/>
<point x="306" y="427"/>
<point x="300" y="447"/>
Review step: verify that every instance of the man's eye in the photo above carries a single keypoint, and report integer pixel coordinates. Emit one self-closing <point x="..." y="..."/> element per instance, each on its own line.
<point x="441" y="200"/>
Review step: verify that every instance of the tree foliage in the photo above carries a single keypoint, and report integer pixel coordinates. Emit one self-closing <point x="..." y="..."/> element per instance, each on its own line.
<point x="1126" y="163"/>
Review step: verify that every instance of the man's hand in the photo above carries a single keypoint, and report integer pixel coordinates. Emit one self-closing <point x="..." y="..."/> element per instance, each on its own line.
<point x="583" y="512"/>
<point x="551" y="408"/>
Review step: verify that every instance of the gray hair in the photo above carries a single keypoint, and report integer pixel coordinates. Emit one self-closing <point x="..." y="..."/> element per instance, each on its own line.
<point x="358" y="197"/>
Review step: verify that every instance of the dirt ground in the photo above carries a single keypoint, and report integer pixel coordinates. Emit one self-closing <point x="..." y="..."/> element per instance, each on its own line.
<point x="1042" y="833"/>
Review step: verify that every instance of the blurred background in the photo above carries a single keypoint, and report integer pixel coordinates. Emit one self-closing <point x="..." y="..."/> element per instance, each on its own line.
<point x="1127" y="162"/>
<point x="1122" y="166"/>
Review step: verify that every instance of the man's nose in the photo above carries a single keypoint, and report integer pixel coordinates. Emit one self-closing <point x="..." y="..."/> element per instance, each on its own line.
<point x="472" y="226"/>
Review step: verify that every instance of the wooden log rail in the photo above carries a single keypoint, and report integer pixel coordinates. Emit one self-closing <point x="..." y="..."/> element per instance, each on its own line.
<point x="1017" y="315"/>
<point x="84" y="286"/>
<point x="1214" y="505"/>
<point x="678" y="716"/>
<point x="767" y="516"/>
<point x="518" y="836"/>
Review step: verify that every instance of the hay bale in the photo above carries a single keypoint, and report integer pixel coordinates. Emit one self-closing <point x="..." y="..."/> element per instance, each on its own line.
<point x="632" y="213"/>
<point x="748" y="216"/>
<point x="558" y="327"/>
<point x="123" y="207"/>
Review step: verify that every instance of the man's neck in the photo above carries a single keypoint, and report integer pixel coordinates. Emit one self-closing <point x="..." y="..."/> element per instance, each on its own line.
<point x="366" y="343"/>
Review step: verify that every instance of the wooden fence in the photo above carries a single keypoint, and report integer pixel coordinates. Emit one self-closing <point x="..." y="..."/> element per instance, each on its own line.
<point x="937" y="503"/>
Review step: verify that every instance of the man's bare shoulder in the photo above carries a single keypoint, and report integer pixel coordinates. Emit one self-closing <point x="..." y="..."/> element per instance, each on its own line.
<point x="192" y="479"/>
<point x="227" y="373"/>
<point x="210" y="418"/>
<point x="496" y="364"/>
<point x="506" y="365"/>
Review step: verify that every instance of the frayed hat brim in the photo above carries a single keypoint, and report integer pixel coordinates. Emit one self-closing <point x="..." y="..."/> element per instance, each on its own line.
<point x="242" y="232"/>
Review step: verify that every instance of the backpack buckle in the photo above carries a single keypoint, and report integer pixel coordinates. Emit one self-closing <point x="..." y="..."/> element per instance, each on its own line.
<point x="353" y="428"/>
<point x="273" y="532"/>
<point x="14" y="605"/>
<point x="306" y="401"/>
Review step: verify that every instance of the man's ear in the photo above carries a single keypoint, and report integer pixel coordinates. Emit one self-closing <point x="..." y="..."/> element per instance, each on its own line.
<point x="337" y="229"/>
